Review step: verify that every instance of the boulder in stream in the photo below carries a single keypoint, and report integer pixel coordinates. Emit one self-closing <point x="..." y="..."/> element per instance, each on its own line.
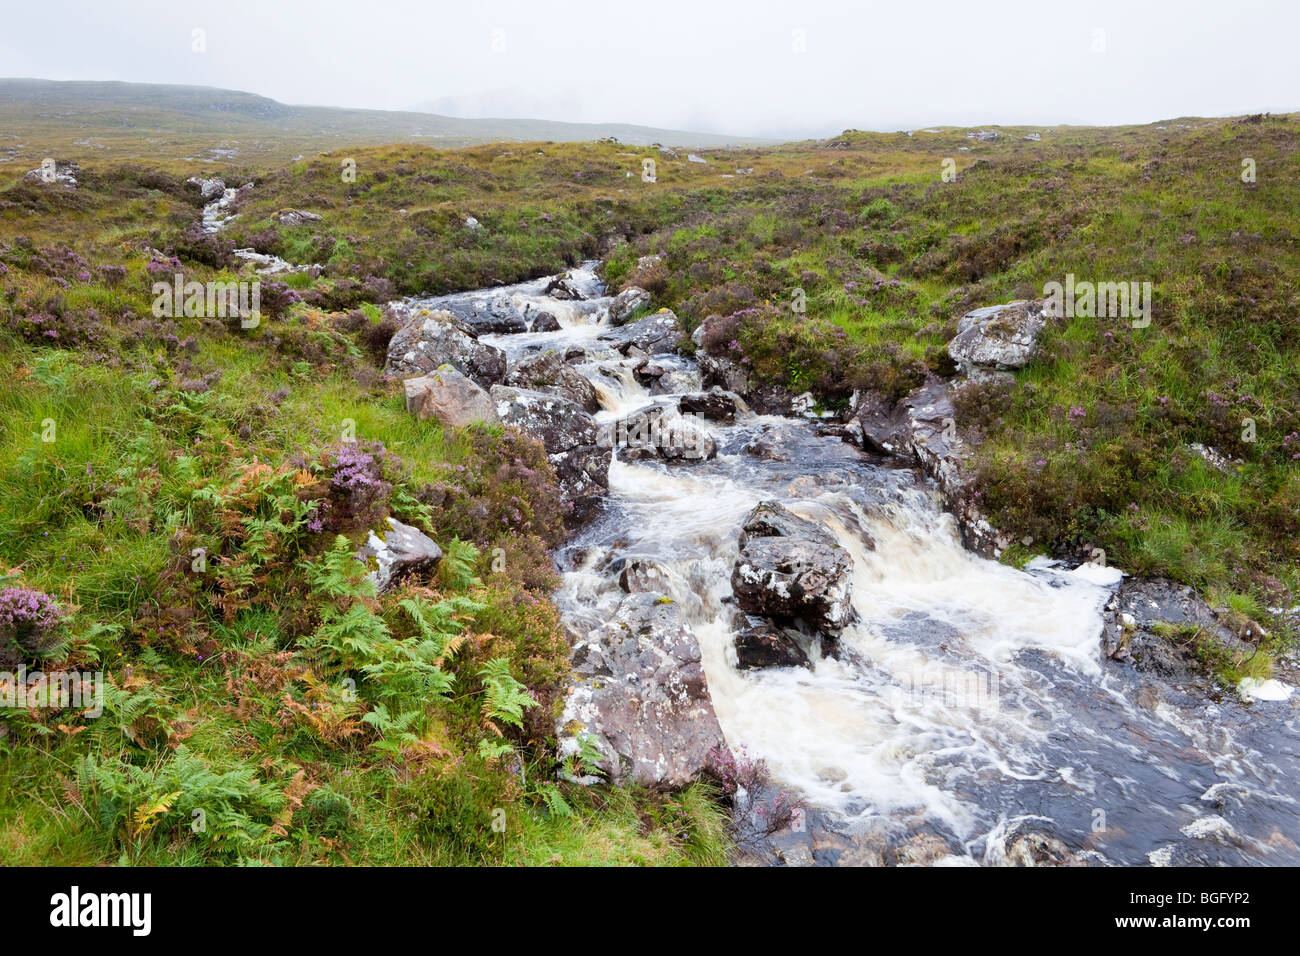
<point x="547" y="372"/>
<point x="656" y="432"/>
<point x="791" y="569"/>
<point x="653" y="334"/>
<point x="763" y="644"/>
<point x="717" y="405"/>
<point x="638" y="694"/>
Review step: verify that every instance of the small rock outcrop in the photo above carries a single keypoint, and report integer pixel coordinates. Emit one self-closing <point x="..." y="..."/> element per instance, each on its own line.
<point x="791" y="569"/>
<point x="450" y="397"/>
<point x="296" y="217"/>
<point x="54" y="174"/>
<point x="434" y="339"/>
<point x="209" y="189"/>
<point x="571" y="440"/>
<point x="548" y="372"/>
<point x="626" y="303"/>
<point x="1143" y="607"/>
<point x="401" y="553"/>
<point x="640" y="697"/>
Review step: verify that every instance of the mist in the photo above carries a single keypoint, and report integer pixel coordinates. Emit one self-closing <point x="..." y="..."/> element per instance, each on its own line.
<point x="764" y="68"/>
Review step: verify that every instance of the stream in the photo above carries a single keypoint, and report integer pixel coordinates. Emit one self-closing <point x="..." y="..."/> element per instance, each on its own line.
<point x="968" y="699"/>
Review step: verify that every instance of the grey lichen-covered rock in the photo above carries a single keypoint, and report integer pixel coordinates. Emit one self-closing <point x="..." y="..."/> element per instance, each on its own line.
<point x="639" y="696"/>
<point x="209" y="189"/>
<point x="54" y="174"/>
<point x="450" y="397"/>
<point x="433" y="339"/>
<point x="401" y="553"/>
<point x="636" y="575"/>
<point x="571" y="440"/>
<point x="548" y="372"/>
<point x="791" y="569"/>
<point x="997" y="338"/>
<point x="296" y="217"/>
<point x="483" y="313"/>
<point x="653" y="334"/>
<point x="626" y="303"/>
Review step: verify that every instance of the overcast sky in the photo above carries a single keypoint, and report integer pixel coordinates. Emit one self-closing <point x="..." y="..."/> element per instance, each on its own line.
<point x="759" y="67"/>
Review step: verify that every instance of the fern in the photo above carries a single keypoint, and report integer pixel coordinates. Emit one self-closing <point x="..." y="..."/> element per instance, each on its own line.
<point x="504" y="698"/>
<point x="490" y="749"/>
<point x="456" y="570"/>
<point x="395" y="731"/>
<point x="553" y="800"/>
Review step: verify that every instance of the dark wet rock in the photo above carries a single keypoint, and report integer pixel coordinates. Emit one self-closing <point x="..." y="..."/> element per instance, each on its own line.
<point x="792" y="569"/>
<point x="548" y="372"/>
<point x="653" y="334"/>
<point x="925" y="846"/>
<point x="885" y="427"/>
<point x="450" y="397"/>
<point x="770" y="400"/>
<point x="928" y="413"/>
<point x="638" y="693"/>
<point x="296" y="217"/>
<point x="997" y="338"/>
<point x="655" y="432"/>
<point x="717" y="405"/>
<point x="571" y="440"/>
<point x="763" y="644"/>
<point x="626" y="303"/>
<point x="564" y="289"/>
<point x="434" y="339"/>
<point x="403" y="552"/>
<point x="1143" y="608"/>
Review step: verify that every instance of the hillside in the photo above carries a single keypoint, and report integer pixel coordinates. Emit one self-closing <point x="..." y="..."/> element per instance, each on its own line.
<point x="201" y="124"/>
<point x="183" y="433"/>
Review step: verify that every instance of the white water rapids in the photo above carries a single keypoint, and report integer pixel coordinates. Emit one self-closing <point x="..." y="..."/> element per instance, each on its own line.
<point x="967" y="696"/>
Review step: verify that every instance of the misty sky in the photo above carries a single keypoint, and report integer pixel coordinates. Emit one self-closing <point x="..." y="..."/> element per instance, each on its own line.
<point x="694" y="64"/>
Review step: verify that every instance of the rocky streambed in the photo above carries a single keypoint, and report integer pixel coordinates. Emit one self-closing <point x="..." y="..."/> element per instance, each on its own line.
<point x="793" y="590"/>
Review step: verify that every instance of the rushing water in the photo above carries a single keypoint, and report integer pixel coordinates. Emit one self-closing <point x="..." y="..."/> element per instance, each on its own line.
<point x="968" y="697"/>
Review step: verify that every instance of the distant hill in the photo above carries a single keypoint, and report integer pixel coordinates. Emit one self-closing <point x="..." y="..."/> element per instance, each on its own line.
<point x="83" y="119"/>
